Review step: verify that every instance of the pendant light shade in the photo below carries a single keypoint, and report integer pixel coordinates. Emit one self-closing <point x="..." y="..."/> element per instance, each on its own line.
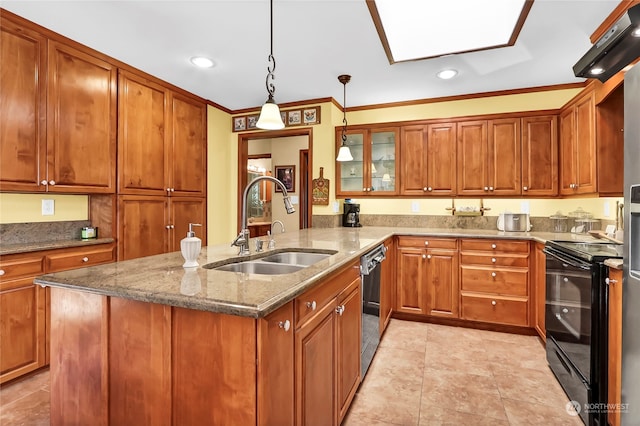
<point x="270" y="118"/>
<point x="344" y="154"/>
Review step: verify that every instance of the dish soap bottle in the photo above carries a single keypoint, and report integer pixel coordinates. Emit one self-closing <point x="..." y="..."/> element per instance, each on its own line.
<point x="190" y="247"/>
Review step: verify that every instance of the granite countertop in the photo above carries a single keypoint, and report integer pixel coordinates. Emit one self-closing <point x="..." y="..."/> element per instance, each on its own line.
<point x="613" y="263"/>
<point x="6" y="249"/>
<point x="161" y="279"/>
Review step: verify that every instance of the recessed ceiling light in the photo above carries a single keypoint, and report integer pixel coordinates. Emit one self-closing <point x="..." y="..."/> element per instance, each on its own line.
<point x="447" y="74"/>
<point x="596" y="71"/>
<point x="202" y="62"/>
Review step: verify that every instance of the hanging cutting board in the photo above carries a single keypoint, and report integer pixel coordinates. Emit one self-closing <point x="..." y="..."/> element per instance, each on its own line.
<point x="320" y="190"/>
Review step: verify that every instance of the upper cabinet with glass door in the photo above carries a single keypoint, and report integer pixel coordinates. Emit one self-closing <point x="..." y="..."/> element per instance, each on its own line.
<point x="373" y="168"/>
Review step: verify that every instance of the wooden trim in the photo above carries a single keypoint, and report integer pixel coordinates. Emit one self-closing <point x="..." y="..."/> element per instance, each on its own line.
<point x="258" y="156"/>
<point x="243" y="154"/>
<point x="457" y="322"/>
<point x="612" y="18"/>
<point x="377" y="21"/>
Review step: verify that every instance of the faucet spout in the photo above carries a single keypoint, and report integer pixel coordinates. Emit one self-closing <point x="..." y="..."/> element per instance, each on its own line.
<point x="242" y="240"/>
<point x="277" y="222"/>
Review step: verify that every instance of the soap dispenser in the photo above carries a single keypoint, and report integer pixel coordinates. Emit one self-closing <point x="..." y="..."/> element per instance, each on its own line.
<point x="190" y="247"/>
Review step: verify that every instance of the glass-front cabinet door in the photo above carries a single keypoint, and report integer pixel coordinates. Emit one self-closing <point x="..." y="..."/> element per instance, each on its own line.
<point x="373" y="168"/>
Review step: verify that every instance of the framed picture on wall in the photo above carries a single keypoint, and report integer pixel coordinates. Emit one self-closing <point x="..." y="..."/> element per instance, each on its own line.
<point x="286" y="175"/>
<point x="239" y="123"/>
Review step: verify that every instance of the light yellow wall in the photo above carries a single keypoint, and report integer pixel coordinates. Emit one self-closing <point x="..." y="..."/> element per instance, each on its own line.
<point x="25" y="208"/>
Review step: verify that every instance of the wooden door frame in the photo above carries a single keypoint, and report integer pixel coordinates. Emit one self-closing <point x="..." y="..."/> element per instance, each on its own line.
<point x="243" y="156"/>
<point x="305" y="175"/>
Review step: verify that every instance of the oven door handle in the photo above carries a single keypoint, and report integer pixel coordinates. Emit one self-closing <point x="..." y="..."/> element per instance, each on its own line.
<point x="568" y="261"/>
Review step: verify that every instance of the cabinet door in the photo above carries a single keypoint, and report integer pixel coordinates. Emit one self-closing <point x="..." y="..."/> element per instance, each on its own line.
<point x="81" y="122"/>
<point x="315" y="372"/>
<point x="567" y="155"/>
<point x="22" y="328"/>
<point x="540" y="156"/>
<point x="349" y="322"/>
<point x="142" y="136"/>
<point x="472" y="158"/>
<point x="350" y="175"/>
<point x="381" y="162"/>
<point x="503" y="157"/>
<point x="413" y="154"/>
<point x="143" y="226"/>
<point x="188" y="162"/>
<point x="185" y="210"/>
<point x="442" y="285"/>
<point x="22" y="108"/>
<point x="615" y="344"/>
<point x="539" y="281"/>
<point x="275" y="368"/>
<point x="441" y="159"/>
<point x="585" y="145"/>
<point x="410" y="296"/>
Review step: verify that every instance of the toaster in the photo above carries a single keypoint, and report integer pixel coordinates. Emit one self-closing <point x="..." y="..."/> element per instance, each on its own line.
<point x="514" y="222"/>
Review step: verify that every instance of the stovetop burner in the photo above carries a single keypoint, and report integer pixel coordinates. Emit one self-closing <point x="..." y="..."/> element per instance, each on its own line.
<point x="591" y="251"/>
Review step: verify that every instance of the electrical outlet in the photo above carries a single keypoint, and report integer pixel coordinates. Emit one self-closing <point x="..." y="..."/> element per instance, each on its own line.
<point x="415" y="207"/>
<point x="607" y="209"/>
<point x="336" y="207"/>
<point x="524" y="207"/>
<point x="48" y="208"/>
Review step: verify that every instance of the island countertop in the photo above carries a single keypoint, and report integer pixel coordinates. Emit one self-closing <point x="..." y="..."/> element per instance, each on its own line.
<point x="162" y="279"/>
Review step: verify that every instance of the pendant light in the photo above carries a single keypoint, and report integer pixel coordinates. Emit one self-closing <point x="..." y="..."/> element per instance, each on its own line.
<point x="344" y="154"/>
<point x="270" y="118"/>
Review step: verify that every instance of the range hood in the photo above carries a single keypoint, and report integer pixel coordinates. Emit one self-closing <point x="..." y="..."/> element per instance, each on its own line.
<point x="617" y="48"/>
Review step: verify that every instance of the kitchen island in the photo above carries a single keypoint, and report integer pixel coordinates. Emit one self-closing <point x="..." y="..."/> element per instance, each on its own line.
<point x="147" y="342"/>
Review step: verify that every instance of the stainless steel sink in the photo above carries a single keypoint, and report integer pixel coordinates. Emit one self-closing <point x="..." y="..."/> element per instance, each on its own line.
<point x="258" y="267"/>
<point x="295" y="258"/>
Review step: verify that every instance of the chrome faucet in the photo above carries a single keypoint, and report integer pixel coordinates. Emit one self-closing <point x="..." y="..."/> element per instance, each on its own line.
<point x="272" y="242"/>
<point x="242" y="240"/>
<point x="276" y="222"/>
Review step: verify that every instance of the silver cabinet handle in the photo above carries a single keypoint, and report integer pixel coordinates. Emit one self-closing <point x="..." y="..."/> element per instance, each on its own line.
<point x="340" y="310"/>
<point x="168" y="189"/>
<point x="494" y="303"/>
<point x="312" y="305"/>
<point x="491" y="188"/>
<point x="610" y="281"/>
<point x="168" y="226"/>
<point x="493" y="274"/>
<point x="426" y="243"/>
<point x="2" y="272"/>
<point x="494" y="246"/>
<point x="172" y="226"/>
<point x="44" y="182"/>
<point x="428" y="256"/>
<point x="85" y="259"/>
<point x="424" y="256"/>
<point x="429" y="189"/>
<point x="565" y="310"/>
<point x="52" y="182"/>
<point x="424" y="189"/>
<point x="285" y="325"/>
<point x="493" y="259"/>
<point x="525" y="188"/>
<point x="486" y="188"/>
<point x="173" y="189"/>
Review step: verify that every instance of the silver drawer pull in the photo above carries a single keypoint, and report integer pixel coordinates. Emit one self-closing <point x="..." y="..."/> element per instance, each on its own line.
<point x="340" y="310"/>
<point x="428" y="256"/>
<point x="493" y="259"/>
<point x="426" y="243"/>
<point x="52" y="182"/>
<point x="607" y="280"/>
<point x="424" y="256"/>
<point x="285" y="325"/>
<point x="494" y="303"/>
<point x="493" y="274"/>
<point x="85" y="259"/>
<point x="494" y="246"/>
<point x="1" y="272"/>
<point x="312" y="305"/>
<point x="44" y="182"/>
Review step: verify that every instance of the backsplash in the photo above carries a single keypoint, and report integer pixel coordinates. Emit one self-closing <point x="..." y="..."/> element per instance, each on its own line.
<point x="37" y="232"/>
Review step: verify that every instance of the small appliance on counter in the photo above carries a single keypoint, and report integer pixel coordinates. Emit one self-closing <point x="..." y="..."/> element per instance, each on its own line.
<point x="514" y="222"/>
<point x="351" y="215"/>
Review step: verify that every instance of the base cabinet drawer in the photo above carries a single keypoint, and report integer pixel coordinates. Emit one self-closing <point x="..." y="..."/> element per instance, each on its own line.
<point x="79" y="259"/>
<point x="497" y="281"/>
<point x="494" y="309"/>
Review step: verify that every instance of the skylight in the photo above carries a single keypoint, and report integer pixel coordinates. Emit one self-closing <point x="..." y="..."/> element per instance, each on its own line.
<point x="420" y="29"/>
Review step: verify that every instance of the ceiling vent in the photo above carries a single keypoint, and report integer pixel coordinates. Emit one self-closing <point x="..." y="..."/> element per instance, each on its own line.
<point x="617" y="48"/>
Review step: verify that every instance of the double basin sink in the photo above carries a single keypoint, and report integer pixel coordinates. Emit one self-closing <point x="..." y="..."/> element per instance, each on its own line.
<point x="284" y="261"/>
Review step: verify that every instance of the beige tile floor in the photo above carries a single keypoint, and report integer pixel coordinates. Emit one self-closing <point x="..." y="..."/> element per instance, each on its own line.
<point x="426" y="374"/>
<point x="422" y="374"/>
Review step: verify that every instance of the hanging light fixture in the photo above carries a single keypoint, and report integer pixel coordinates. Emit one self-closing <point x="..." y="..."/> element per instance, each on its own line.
<point x="270" y="118"/>
<point x="345" y="153"/>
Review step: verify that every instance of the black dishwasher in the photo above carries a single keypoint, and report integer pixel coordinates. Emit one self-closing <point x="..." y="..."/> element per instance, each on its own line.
<point x="370" y="272"/>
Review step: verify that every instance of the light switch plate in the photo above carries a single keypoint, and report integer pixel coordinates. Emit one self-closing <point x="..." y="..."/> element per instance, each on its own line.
<point x="607" y="209"/>
<point x="48" y="208"/>
<point x="415" y="207"/>
<point x="336" y="207"/>
<point x="524" y="207"/>
<point x="294" y="199"/>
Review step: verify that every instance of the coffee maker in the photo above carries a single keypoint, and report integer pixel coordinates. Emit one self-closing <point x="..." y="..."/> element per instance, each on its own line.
<point x="351" y="215"/>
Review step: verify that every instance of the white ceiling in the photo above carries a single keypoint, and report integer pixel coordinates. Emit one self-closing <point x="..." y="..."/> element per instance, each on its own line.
<point x="314" y="42"/>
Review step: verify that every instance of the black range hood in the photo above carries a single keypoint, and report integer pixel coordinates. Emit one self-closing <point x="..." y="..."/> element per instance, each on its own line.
<point x="617" y="48"/>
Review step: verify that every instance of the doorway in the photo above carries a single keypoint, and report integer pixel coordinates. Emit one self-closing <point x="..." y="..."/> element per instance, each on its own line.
<point x="303" y="159"/>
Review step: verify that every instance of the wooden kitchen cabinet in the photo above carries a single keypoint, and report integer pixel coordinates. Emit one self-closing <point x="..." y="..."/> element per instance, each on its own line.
<point x="162" y="140"/>
<point x="494" y="281"/>
<point x="578" y="146"/>
<point x="540" y="156"/>
<point x="387" y="284"/>
<point x="373" y="168"/>
<point x="428" y="159"/>
<point x="539" y="278"/>
<point x="24" y="308"/>
<point x="614" y="364"/>
<point x="427" y="276"/>
<point x="610" y="143"/>
<point x="153" y="225"/>
<point x="327" y="348"/>
<point x="58" y="115"/>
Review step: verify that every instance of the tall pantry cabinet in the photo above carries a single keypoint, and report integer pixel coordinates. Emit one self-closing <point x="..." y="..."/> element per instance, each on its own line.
<point x="161" y="167"/>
